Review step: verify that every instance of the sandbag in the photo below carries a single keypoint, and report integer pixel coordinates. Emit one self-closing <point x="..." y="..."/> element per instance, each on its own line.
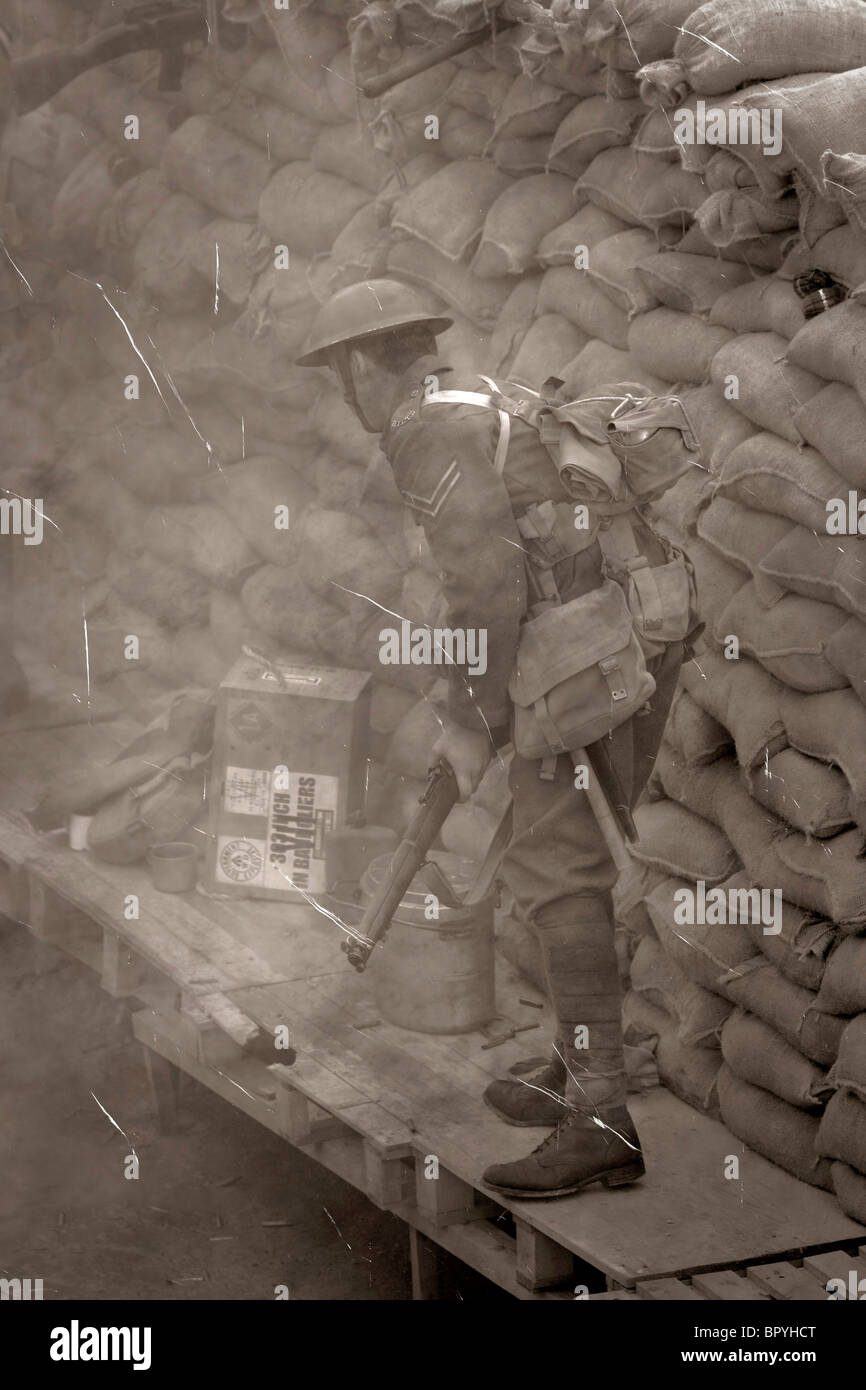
<point x="551" y="343"/>
<point x="160" y="260"/>
<point x="480" y="300"/>
<point x="716" y="580"/>
<point x="690" y="1072"/>
<point x="743" y="698"/>
<point x="768" y="305"/>
<point x="596" y="124"/>
<point x="771" y="474"/>
<point x="464" y="136"/>
<point x="781" y="1132"/>
<point x="709" y="954"/>
<point x="788" y="639"/>
<point x="265" y="499"/>
<point x="679" y="346"/>
<point x="520" y="157"/>
<point x="769" y="388"/>
<point x="800" y="950"/>
<point x="513" y="323"/>
<point x="350" y="154"/>
<point x="830" y="726"/>
<point x="674" y="841"/>
<point x="683" y="503"/>
<point x="517" y="221"/>
<point x="531" y="107"/>
<point x="744" y="536"/>
<point x="733" y="215"/>
<point x="216" y="167"/>
<point x="567" y="292"/>
<point x="269" y="77"/>
<point x="850" y="1189"/>
<point x="828" y="568"/>
<point x="230" y="628"/>
<point x="834" y="422"/>
<point x="200" y="536"/>
<point x="599" y="364"/>
<point x="169" y="593"/>
<point x="843" y="987"/>
<point x="807" y="794"/>
<point x="642" y="189"/>
<point x="832" y="347"/>
<point x="699" y="1015"/>
<point x="632" y="32"/>
<point x="849" y="1069"/>
<point x="448" y="211"/>
<point x="690" y="284"/>
<point x="613" y="268"/>
<point x="765" y="252"/>
<point x="756" y="1053"/>
<point x="481" y="91"/>
<point x="581" y="232"/>
<point x="700" y="738"/>
<point x="339" y="557"/>
<point x="718" y="426"/>
<point x="724" y="45"/>
<point x="842" y="1134"/>
<point x="306" y="209"/>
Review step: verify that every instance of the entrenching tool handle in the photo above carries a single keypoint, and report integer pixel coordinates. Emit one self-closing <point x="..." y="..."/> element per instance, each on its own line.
<point x="426" y="59"/>
<point x="607" y="821"/>
<point x="435" y="804"/>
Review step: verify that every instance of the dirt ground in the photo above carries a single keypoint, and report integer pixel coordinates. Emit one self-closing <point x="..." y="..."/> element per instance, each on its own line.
<point x="194" y="1223"/>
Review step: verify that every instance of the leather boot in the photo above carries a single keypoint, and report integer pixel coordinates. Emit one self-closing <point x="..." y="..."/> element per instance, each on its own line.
<point x="583" y="1149"/>
<point x="533" y="1094"/>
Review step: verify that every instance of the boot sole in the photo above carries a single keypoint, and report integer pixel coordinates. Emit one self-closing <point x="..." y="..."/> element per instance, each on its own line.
<point x="618" y="1177"/>
<point x="522" y="1124"/>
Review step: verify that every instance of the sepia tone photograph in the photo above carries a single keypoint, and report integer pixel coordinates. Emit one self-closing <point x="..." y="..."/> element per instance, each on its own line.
<point x="433" y="667"/>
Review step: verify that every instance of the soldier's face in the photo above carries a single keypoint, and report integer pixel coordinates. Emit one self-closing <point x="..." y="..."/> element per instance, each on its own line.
<point x="374" y="387"/>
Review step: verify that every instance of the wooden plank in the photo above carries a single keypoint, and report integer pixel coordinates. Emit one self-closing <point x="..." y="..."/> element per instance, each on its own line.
<point x="783" y="1281"/>
<point x="427" y="1267"/>
<point x="541" y="1263"/>
<point x="386" y="1179"/>
<point x="163" y="1078"/>
<point x="836" y="1264"/>
<point x="668" y="1290"/>
<point x="444" y="1198"/>
<point x="726" y="1285"/>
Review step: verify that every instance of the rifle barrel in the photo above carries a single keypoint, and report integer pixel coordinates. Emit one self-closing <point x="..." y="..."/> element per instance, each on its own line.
<point x="429" y="58"/>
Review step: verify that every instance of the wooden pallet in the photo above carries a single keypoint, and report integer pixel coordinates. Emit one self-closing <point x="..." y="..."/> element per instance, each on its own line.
<point x="807" y="1281"/>
<point x="395" y="1113"/>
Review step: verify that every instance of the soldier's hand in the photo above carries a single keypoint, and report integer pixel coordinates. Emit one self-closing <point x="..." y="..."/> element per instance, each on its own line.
<point x="468" y="751"/>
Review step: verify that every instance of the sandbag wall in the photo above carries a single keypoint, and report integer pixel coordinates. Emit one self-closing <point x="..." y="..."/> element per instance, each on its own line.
<point x="549" y="189"/>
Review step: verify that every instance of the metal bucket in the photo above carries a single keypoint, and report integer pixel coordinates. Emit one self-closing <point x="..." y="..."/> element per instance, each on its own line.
<point x="435" y="974"/>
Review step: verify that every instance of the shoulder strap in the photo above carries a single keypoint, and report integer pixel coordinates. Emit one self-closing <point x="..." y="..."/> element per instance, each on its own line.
<point x="497" y="400"/>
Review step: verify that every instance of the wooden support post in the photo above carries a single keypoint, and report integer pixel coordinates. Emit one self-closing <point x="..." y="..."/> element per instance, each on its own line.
<point x="447" y="1200"/>
<point x="427" y="1260"/>
<point x="44" y="912"/>
<point x="541" y="1263"/>
<point x="122" y="970"/>
<point x="293" y="1113"/>
<point x="163" y="1078"/>
<point x="384" y="1178"/>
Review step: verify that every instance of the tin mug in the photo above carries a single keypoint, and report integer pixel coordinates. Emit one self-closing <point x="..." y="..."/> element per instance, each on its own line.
<point x="173" y="866"/>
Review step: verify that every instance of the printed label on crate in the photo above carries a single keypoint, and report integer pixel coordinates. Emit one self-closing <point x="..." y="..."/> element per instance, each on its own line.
<point x="247" y="791"/>
<point x="240" y="860"/>
<point x="301" y="814"/>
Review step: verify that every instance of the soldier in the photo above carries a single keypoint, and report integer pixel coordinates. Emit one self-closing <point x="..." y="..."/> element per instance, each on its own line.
<point x="479" y="489"/>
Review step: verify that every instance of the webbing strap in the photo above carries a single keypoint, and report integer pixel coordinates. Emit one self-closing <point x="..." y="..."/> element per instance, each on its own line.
<point x="479" y="398"/>
<point x="618" y="545"/>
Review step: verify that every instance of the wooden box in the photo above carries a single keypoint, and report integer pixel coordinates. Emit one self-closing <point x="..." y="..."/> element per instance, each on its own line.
<point x="289" y="765"/>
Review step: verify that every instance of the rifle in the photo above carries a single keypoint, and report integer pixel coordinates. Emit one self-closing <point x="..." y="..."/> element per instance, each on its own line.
<point x="165" y="25"/>
<point x="430" y="58"/>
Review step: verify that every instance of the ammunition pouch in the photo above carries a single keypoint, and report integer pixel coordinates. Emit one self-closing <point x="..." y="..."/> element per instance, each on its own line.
<point x="580" y="673"/>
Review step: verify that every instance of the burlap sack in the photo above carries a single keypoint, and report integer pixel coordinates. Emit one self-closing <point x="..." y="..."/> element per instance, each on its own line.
<point x="742" y="698"/>
<point x="269" y="77"/>
<point x="699" y="736"/>
<point x="800" y="950"/>
<point x="160" y="261"/>
<point x="769" y="388"/>
<point x="766" y="252"/>
<point x="690" y="1072"/>
<point x="278" y="601"/>
<point x="683" y="503"/>
<point x="698" y="1014"/>
<point x="781" y="1132"/>
<point x="850" y="1189"/>
<point x="832" y="346"/>
<point x="599" y="363"/>
<point x="849" y="1070"/>
<point x="581" y="232"/>
<point x="832" y="885"/>
<point x="340" y="558"/>
<point x="842" y="1134"/>
<point x="613" y="268"/>
<point x="464" y="136"/>
<point x="843" y="987"/>
<point x="690" y="284"/>
<point x="527" y="155"/>
<point x="718" y="426"/>
<point x="594" y="125"/>
<point x="199" y="536"/>
<point x="448" y="211"/>
<point x="172" y="595"/>
<point x="744" y="537"/>
<point x="829" y="568"/>
<point x="832" y="727"/>
<point x="708" y="954"/>
<point x="716" y="580"/>
<point x="265" y="498"/>
<point x="551" y="343"/>
<point x="481" y="91"/>
<point x="674" y="841"/>
<point x="305" y="209"/>
<point x="724" y="45"/>
<point x="83" y="198"/>
<point x="641" y="189"/>
<point x="834" y="421"/>
<point x="788" y="639"/>
<point x="516" y="222"/>
<point x="216" y="167"/>
<point x="805" y="793"/>
<point x="513" y="323"/>
<point x="768" y="305"/>
<point x="531" y="108"/>
<point x="679" y="346"/>
<point x="656" y="133"/>
<point x="231" y="628"/>
<point x="841" y="251"/>
<point x="349" y="153"/>
<point x="756" y="1053"/>
<point x="846" y="653"/>
<point x="569" y="292"/>
<point x="633" y="32"/>
<point x="771" y="474"/>
<point x="480" y="300"/>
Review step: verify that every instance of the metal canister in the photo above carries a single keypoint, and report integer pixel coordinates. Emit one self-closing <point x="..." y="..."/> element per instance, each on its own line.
<point x="434" y="972"/>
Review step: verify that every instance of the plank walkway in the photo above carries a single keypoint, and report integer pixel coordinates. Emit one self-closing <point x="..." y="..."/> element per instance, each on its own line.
<point x="216" y="986"/>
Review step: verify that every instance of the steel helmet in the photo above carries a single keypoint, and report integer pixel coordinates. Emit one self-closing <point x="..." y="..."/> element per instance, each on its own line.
<point x="365" y="310"/>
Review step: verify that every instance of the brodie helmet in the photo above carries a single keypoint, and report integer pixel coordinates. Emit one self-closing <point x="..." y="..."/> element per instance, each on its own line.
<point x="367" y="309"/>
